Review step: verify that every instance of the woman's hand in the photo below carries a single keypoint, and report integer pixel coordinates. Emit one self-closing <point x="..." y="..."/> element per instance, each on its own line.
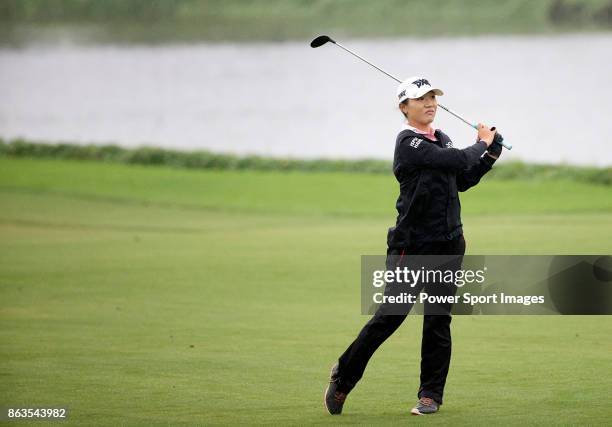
<point x="485" y="134"/>
<point x="495" y="149"/>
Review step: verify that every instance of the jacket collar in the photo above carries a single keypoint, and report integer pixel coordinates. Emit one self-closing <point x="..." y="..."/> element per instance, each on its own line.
<point x="429" y="135"/>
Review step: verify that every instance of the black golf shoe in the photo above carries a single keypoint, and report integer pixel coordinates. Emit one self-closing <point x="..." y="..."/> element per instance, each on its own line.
<point x="334" y="399"/>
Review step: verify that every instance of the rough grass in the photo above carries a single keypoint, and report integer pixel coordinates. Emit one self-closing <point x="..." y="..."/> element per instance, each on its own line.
<point x="155" y="296"/>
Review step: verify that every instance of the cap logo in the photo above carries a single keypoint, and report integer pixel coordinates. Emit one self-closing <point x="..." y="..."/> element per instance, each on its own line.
<point x="420" y="82"/>
<point x="401" y="94"/>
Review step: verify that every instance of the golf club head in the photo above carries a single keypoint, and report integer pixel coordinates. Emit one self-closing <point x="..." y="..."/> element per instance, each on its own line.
<point x="320" y="41"/>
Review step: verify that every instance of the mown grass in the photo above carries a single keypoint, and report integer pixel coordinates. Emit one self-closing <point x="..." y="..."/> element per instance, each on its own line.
<point x="147" y="295"/>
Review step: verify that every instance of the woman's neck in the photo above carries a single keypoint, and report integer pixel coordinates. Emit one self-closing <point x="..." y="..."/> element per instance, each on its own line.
<point x="424" y="128"/>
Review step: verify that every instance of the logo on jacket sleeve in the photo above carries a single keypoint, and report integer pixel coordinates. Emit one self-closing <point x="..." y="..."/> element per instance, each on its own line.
<point x="449" y="144"/>
<point x="415" y="142"/>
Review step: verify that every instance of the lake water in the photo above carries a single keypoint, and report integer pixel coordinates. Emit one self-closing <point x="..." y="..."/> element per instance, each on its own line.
<point x="549" y="96"/>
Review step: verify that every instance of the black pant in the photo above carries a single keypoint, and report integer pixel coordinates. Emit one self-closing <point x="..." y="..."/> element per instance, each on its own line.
<point x="436" y="341"/>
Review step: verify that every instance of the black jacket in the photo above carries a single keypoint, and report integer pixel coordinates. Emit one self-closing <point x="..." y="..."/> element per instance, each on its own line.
<point x="430" y="173"/>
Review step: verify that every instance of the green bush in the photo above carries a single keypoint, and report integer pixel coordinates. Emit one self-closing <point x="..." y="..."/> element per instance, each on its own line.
<point x="207" y="160"/>
<point x="172" y="20"/>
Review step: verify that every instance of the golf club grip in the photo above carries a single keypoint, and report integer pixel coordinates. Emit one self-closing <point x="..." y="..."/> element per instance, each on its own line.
<point x="500" y="140"/>
<point x="504" y="144"/>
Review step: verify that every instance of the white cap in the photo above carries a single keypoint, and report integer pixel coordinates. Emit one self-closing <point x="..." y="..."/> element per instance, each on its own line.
<point x="415" y="87"/>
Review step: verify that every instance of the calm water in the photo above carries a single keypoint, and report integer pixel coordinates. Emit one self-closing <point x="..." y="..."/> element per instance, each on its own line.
<point x="550" y="96"/>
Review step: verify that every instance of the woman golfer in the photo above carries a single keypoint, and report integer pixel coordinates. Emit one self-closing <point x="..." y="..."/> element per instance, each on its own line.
<point x="430" y="173"/>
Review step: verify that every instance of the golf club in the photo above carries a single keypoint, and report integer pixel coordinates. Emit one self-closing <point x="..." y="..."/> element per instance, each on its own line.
<point x="323" y="39"/>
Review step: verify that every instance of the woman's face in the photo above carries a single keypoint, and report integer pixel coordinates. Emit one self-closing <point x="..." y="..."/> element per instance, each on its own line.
<point x="422" y="110"/>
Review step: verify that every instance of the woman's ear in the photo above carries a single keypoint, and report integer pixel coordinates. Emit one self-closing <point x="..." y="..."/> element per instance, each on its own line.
<point x="404" y="108"/>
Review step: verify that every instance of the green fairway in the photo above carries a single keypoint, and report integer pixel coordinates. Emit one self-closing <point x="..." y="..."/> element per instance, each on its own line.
<point x="155" y="296"/>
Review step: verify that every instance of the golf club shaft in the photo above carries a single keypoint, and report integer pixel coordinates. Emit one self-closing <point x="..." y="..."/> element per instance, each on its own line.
<point x="366" y="61"/>
<point x="448" y="110"/>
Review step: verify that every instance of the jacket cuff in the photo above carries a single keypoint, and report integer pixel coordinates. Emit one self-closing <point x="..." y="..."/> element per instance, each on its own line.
<point x="483" y="145"/>
<point x="488" y="159"/>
